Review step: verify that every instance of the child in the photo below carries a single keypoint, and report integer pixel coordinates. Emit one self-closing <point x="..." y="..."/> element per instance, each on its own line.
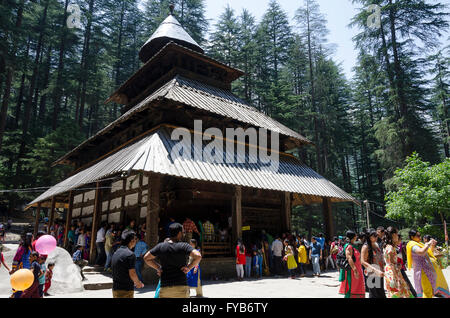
<point x="41" y="262"/>
<point x="78" y="260"/>
<point x="290" y="260"/>
<point x="48" y="278"/>
<point x="33" y="291"/>
<point x="240" y="260"/>
<point x="2" y="259"/>
<point x="87" y="246"/>
<point x="193" y="276"/>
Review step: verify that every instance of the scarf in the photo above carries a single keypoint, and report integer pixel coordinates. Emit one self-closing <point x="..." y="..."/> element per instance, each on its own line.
<point x="409" y="248"/>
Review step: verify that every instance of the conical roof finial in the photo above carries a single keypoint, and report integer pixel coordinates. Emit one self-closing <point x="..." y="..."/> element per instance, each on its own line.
<point x="171" y="7"/>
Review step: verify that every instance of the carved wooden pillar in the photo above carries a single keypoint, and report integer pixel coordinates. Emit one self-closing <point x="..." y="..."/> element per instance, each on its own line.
<point x="95" y="223"/>
<point x="286" y="211"/>
<point x="328" y="218"/>
<point x="237" y="214"/>
<point x="68" y="219"/>
<point x="153" y="209"/>
<point x="36" y="222"/>
<point x="52" y="215"/>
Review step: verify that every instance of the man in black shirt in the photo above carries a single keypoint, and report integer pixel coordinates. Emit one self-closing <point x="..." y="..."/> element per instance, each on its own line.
<point x="173" y="256"/>
<point x="123" y="269"/>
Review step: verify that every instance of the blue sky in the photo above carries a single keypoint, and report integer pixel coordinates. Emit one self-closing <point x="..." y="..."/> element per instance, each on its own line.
<point x="338" y="13"/>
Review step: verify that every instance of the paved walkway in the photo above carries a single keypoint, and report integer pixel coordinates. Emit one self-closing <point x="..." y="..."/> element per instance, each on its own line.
<point x="326" y="286"/>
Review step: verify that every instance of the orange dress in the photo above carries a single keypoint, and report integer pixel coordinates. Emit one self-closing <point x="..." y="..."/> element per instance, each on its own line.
<point x="351" y="286"/>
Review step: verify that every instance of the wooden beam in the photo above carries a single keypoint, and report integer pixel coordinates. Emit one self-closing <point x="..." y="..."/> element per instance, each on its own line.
<point x="286" y="211"/>
<point x="68" y="219"/>
<point x="95" y="221"/>
<point x="328" y="219"/>
<point x="52" y="215"/>
<point x="237" y="214"/>
<point x="36" y="222"/>
<point x="138" y="221"/>
<point x="153" y="209"/>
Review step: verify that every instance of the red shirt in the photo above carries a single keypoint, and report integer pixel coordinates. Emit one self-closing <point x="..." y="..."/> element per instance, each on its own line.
<point x="240" y="257"/>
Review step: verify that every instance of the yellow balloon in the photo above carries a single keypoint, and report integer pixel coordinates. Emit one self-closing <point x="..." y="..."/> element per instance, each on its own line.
<point x="22" y="279"/>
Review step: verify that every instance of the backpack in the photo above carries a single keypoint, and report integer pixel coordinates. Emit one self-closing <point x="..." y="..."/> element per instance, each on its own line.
<point x="341" y="259"/>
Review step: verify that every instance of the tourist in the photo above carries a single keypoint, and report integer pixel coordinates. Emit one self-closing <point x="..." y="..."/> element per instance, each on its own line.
<point x="171" y="221"/>
<point x="302" y="258"/>
<point x="435" y="250"/>
<point x="289" y="258"/>
<point x="240" y="260"/>
<point x="395" y="284"/>
<point x="173" y="269"/>
<point x="81" y="241"/>
<point x="428" y="278"/>
<point x="22" y="258"/>
<point x="78" y="229"/>
<point x="109" y="241"/>
<point x="38" y="235"/>
<point x="87" y="246"/>
<point x="189" y="228"/>
<point x="208" y="228"/>
<point x="2" y="260"/>
<point x="401" y="255"/>
<point x="77" y="258"/>
<point x="373" y="261"/>
<point x="321" y="240"/>
<point x="330" y="260"/>
<point x="315" y="256"/>
<point x="194" y="275"/>
<point x="223" y="234"/>
<point x="35" y="267"/>
<point x="139" y="251"/>
<point x="130" y="228"/>
<point x="259" y="260"/>
<point x="48" y="278"/>
<point x="380" y="239"/>
<point x="2" y="232"/>
<point x="41" y="261"/>
<point x="60" y="235"/>
<point x="248" y="260"/>
<point x="100" y="244"/>
<point x="352" y="279"/>
<point x="71" y="239"/>
<point x="123" y="269"/>
<point x="277" y="250"/>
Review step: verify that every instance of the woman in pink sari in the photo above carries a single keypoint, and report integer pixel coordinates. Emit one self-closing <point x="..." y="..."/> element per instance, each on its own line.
<point x="352" y="279"/>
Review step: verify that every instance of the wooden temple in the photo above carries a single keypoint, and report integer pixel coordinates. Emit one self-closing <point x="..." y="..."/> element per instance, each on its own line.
<point x="126" y="171"/>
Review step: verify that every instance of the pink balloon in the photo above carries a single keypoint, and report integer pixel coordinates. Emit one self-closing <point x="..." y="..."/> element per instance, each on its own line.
<point x="45" y="244"/>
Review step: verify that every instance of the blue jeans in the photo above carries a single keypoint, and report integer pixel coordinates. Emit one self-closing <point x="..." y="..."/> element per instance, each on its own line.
<point x="108" y="260"/>
<point x="315" y="262"/>
<point x="260" y="265"/>
<point x="138" y="267"/>
<point x="248" y="266"/>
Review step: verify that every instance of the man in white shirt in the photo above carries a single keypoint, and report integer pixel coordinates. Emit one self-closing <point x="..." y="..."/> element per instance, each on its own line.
<point x="100" y="243"/>
<point x="277" y="250"/>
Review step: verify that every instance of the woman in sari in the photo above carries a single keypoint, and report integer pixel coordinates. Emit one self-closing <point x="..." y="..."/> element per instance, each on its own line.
<point x="428" y="278"/>
<point x="352" y="279"/>
<point x="22" y="258"/>
<point x="396" y="285"/>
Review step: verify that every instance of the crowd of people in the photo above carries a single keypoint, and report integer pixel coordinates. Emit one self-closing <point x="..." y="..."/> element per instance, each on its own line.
<point x="373" y="262"/>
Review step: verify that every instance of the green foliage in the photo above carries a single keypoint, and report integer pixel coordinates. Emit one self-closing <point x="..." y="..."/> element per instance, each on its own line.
<point x="421" y="191"/>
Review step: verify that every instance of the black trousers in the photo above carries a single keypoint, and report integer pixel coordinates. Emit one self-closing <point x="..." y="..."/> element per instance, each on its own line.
<point x="277" y="265"/>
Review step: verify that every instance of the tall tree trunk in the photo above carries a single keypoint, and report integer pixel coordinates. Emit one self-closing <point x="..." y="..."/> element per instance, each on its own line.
<point x="43" y="103"/>
<point x="27" y="113"/>
<point x="59" y="77"/>
<point x="10" y="75"/>
<point x="119" y="52"/>
<point x="86" y="61"/>
<point x="22" y="87"/>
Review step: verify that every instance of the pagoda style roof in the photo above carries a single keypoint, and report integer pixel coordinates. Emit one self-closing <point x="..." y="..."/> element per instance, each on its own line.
<point x="153" y="153"/>
<point x="204" y="97"/>
<point x="169" y="30"/>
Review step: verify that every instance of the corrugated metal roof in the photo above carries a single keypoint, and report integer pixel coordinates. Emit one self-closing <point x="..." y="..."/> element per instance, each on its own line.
<point x="207" y="98"/>
<point x="153" y="154"/>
